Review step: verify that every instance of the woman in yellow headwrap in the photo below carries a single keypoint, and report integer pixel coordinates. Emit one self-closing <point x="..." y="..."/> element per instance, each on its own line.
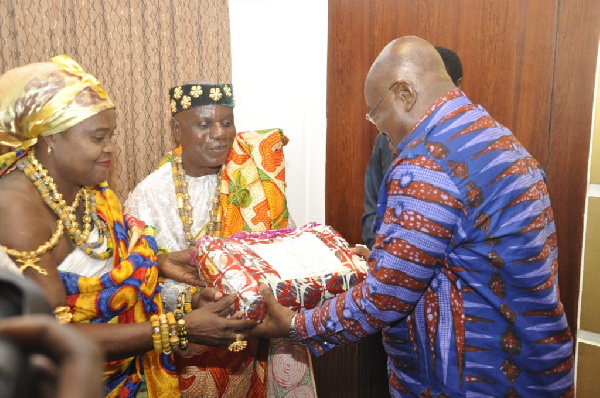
<point x="63" y="227"/>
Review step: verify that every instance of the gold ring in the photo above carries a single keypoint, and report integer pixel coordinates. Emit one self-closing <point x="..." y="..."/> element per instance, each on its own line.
<point x="238" y="344"/>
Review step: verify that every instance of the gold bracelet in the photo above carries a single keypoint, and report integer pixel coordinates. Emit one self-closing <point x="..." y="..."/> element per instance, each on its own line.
<point x="189" y="294"/>
<point x="173" y="335"/>
<point x="156" y="335"/>
<point x="164" y="334"/>
<point x="63" y="314"/>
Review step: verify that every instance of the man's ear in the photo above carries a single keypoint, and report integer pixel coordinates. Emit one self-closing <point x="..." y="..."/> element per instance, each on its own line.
<point x="175" y="130"/>
<point x="459" y="83"/>
<point x="406" y="92"/>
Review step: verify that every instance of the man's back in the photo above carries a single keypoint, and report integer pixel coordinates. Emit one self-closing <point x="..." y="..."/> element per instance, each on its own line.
<point x="468" y="206"/>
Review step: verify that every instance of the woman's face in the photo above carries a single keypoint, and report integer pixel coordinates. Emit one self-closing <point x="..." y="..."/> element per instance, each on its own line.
<point x="82" y="154"/>
<point x="206" y="134"/>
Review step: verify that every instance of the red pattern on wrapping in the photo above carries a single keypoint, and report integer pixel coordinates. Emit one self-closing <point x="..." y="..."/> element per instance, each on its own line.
<point x="232" y="256"/>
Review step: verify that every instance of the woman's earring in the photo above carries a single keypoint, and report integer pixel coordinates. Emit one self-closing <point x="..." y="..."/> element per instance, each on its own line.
<point x="49" y="150"/>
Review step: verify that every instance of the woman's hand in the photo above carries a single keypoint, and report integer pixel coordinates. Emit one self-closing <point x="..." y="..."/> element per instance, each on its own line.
<point x="210" y="326"/>
<point x="278" y="320"/>
<point x="176" y="266"/>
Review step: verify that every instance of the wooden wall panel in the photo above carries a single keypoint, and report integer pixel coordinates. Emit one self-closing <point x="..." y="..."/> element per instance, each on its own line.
<point x="529" y="63"/>
<point x="569" y="137"/>
<point x="508" y="68"/>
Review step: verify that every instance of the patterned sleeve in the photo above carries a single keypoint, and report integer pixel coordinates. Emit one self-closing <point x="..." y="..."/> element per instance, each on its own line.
<point x="423" y="206"/>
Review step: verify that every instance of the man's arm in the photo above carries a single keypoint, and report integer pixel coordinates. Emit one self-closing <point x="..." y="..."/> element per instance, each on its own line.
<point x="423" y="207"/>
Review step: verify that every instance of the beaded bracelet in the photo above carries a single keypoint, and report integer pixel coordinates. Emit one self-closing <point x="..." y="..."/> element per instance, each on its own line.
<point x="293" y="332"/>
<point x="189" y="294"/>
<point x="63" y="314"/>
<point x="183" y="334"/>
<point x="173" y="335"/>
<point x="156" y="335"/>
<point x="164" y="333"/>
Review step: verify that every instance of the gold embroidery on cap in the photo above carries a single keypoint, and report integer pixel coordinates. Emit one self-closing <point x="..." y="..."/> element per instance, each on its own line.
<point x="178" y="92"/>
<point x="186" y="101"/>
<point x="215" y="94"/>
<point x="196" y="91"/>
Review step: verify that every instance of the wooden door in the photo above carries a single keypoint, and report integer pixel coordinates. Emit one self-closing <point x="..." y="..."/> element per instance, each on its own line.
<point x="530" y="63"/>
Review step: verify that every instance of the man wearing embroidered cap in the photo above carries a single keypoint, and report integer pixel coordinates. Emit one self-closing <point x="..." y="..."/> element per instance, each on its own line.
<point x="216" y="183"/>
<point x="62" y="227"/>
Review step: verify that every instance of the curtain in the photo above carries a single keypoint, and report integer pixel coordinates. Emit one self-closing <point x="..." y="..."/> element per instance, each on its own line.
<point x="138" y="49"/>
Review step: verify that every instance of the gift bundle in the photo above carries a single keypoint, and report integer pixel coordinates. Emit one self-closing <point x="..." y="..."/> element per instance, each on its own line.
<point x="303" y="266"/>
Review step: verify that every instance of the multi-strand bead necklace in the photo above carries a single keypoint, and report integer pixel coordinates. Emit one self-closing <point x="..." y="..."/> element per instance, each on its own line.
<point x="213" y="228"/>
<point x="67" y="220"/>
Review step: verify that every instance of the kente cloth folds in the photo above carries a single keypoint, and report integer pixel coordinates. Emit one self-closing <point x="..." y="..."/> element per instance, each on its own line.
<point x="45" y="98"/>
<point x="252" y="198"/>
<point x="126" y="294"/>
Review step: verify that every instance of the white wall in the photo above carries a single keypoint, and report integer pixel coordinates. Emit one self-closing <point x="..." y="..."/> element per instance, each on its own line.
<point x="279" y="56"/>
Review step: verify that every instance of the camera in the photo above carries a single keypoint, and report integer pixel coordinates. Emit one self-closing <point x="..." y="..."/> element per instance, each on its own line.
<point x="18" y="297"/>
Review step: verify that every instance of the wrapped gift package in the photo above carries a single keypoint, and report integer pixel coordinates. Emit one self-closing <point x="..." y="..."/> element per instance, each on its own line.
<point x="303" y="266"/>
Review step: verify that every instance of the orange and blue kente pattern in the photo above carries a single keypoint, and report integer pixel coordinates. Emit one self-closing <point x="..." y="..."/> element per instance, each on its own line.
<point x="463" y="274"/>
<point x="128" y="293"/>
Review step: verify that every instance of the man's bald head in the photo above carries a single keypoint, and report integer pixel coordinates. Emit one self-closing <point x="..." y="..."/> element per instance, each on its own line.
<point x="408" y="58"/>
<point x="413" y="72"/>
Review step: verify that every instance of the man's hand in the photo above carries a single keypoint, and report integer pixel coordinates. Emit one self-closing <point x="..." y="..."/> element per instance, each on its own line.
<point x="176" y="266"/>
<point x="277" y="322"/>
<point x="361" y="251"/>
<point x="206" y="296"/>
<point x="210" y="326"/>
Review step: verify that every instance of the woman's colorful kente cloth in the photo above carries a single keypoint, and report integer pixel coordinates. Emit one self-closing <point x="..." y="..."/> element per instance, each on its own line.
<point x="252" y="198"/>
<point x="126" y="294"/>
<point x="463" y="274"/>
<point x="47" y="98"/>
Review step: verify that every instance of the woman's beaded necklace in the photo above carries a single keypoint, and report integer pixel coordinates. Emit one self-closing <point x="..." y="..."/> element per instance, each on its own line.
<point x="36" y="172"/>
<point x="213" y="227"/>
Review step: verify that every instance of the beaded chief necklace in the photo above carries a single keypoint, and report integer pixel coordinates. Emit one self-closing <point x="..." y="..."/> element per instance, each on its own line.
<point x="67" y="220"/>
<point x="213" y="227"/>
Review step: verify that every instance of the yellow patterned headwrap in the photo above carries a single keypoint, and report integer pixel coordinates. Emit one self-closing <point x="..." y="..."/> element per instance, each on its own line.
<point x="46" y="98"/>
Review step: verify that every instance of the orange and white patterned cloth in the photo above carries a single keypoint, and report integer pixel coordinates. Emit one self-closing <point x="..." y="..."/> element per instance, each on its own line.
<point x="252" y="198"/>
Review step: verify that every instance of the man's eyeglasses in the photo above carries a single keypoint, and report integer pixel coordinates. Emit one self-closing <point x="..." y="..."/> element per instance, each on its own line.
<point x="369" y="116"/>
